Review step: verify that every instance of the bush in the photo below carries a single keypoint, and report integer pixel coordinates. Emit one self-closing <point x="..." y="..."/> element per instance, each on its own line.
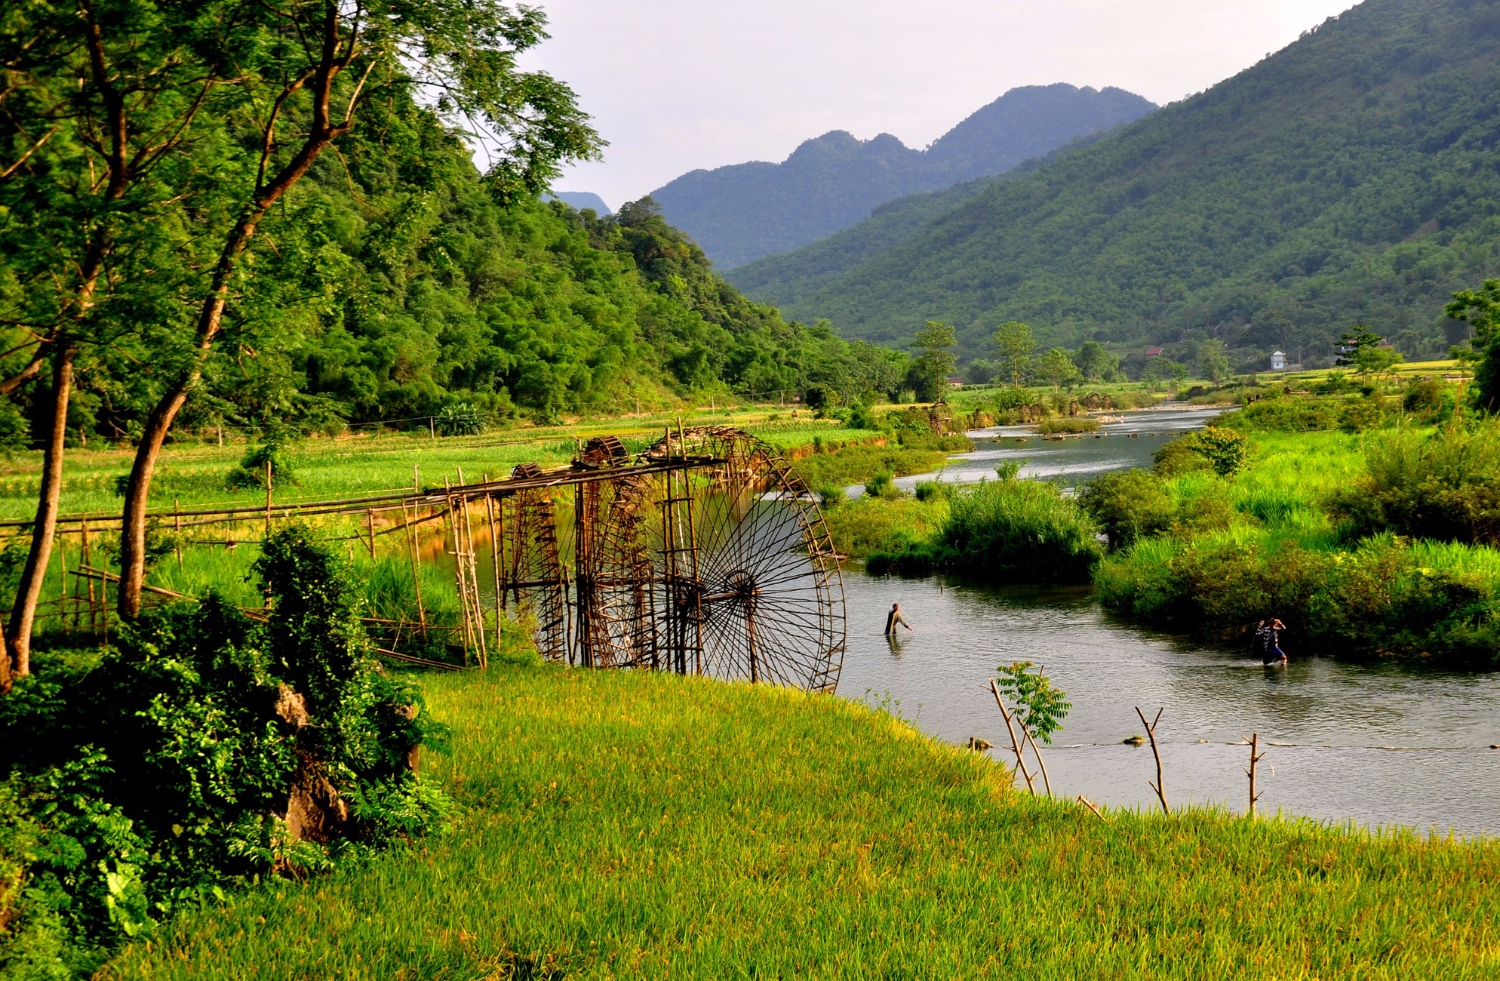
<point x="461" y="419"/>
<point x="860" y="417"/>
<point x="1389" y="596"/>
<point x="934" y="490"/>
<point x="1445" y="487"/>
<point x="234" y="749"/>
<point x="1224" y="449"/>
<point x="1284" y="415"/>
<point x="1019" y="529"/>
<point x="1128" y="505"/>
<point x="1220" y="448"/>
<point x="251" y="473"/>
<point x="880" y="485"/>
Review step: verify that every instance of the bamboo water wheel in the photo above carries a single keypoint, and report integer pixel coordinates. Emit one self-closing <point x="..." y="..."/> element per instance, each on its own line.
<point x="706" y="554"/>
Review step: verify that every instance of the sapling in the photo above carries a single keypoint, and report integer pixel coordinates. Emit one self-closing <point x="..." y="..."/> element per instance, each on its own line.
<point x="1040" y="706"/>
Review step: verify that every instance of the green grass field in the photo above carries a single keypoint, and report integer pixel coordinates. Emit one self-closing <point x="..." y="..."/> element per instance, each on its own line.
<point x="195" y="473"/>
<point x="623" y="825"/>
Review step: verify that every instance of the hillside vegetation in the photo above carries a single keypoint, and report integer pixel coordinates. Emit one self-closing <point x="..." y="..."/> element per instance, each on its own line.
<point x="744" y="211"/>
<point x="1351" y="177"/>
<point x="633" y="825"/>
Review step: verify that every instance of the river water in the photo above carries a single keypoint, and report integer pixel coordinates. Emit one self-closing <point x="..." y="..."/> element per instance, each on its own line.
<point x="1378" y="745"/>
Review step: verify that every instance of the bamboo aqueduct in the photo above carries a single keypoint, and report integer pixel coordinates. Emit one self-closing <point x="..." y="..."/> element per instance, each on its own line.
<point x="704" y="554"/>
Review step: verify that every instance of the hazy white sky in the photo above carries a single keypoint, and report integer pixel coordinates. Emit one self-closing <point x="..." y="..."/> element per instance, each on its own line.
<point x="679" y="84"/>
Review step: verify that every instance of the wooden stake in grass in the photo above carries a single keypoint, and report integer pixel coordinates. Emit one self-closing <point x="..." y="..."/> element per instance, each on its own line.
<point x="1151" y="734"/>
<point x="1255" y="757"/>
<point x="177" y="520"/>
<point x="1014" y="742"/>
<point x="1090" y="805"/>
<point x="268" y="498"/>
<point x="370" y="528"/>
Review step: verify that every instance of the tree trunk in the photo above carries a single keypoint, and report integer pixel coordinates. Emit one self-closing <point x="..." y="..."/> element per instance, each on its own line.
<point x="44" y="530"/>
<point x="320" y="135"/>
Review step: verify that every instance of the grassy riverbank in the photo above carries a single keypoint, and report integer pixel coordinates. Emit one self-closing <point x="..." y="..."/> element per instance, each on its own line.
<point x="622" y="825"/>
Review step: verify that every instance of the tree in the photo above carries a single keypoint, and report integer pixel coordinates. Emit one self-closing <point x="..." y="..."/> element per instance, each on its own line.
<point x="1096" y="362"/>
<point x="1365" y="351"/>
<point x="1213" y="360"/>
<point x="1160" y="369"/>
<point x="1481" y="310"/>
<point x="314" y="72"/>
<point x="1179" y="372"/>
<point x="935" y="361"/>
<point x="1057" y="367"/>
<point x="105" y="103"/>
<point x="1015" y="343"/>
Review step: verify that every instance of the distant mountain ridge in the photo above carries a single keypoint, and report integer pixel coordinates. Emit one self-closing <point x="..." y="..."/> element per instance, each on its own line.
<point x="580" y="200"/>
<point x="1353" y="177"/>
<point x="744" y="211"/>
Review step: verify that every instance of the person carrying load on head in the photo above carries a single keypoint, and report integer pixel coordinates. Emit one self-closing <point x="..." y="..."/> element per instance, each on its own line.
<point x="1268" y="637"/>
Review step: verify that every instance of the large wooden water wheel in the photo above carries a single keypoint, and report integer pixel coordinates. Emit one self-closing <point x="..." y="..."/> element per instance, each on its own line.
<point x="716" y="561"/>
<point x="535" y="578"/>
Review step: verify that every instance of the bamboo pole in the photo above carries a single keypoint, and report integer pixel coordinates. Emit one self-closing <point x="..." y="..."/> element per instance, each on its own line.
<point x="177" y="522"/>
<point x="268" y="498"/>
<point x="416" y="567"/>
<point x="1151" y="734"/>
<point x="497" y="553"/>
<point x="370" y="527"/>
<point x="450" y="528"/>
<point x="88" y="559"/>
<point x="1014" y="742"/>
<point x="484" y="654"/>
<point x="62" y="583"/>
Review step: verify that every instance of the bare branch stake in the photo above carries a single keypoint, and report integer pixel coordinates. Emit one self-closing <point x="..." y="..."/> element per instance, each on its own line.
<point x="1151" y="734"/>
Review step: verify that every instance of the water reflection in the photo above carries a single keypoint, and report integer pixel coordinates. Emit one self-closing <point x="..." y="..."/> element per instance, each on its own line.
<point x="1379" y="744"/>
<point x="1075" y="460"/>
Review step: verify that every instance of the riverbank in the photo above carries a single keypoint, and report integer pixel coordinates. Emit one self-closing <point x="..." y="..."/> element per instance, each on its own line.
<point x="733" y="831"/>
<point x="1300" y="528"/>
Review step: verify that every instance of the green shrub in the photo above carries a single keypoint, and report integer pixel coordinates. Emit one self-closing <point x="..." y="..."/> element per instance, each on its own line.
<point x="1176" y="457"/>
<point x="1128" y="505"/>
<point x="1284" y="415"/>
<point x="934" y="490"/>
<point x="1445" y="487"/>
<point x="461" y="419"/>
<point x="251" y="473"/>
<point x="211" y="721"/>
<point x="1019" y="529"/>
<point x="880" y="485"/>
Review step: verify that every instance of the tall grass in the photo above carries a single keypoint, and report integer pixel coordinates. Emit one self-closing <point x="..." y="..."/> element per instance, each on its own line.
<point x="621" y="825"/>
<point x="1283" y="548"/>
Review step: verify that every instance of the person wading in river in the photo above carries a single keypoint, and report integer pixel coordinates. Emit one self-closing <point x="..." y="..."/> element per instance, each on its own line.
<point x="1269" y="635"/>
<point x="893" y="619"/>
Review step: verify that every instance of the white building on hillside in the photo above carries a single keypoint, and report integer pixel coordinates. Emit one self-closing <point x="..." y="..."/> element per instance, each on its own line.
<point x="1278" y="361"/>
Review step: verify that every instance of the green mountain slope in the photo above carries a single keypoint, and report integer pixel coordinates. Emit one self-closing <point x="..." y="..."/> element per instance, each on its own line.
<point x="1353" y="176"/>
<point x="744" y="211"/>
<point x="787" y="278"/>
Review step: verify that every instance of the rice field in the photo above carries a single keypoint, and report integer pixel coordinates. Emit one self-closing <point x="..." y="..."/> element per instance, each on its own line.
<point x="624" y="825"/>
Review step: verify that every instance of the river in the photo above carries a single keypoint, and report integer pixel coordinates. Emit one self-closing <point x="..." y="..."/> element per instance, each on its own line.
<point x="1376" y="744"/>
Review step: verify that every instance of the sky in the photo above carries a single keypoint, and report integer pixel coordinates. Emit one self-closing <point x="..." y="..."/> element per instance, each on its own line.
<point x="675" y="85"/>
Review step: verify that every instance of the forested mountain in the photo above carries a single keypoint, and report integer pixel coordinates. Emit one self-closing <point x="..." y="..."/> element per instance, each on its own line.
<point x="742" y="212"/>
<point x="1352" y="177"/>
<point x="396" y="283"/>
